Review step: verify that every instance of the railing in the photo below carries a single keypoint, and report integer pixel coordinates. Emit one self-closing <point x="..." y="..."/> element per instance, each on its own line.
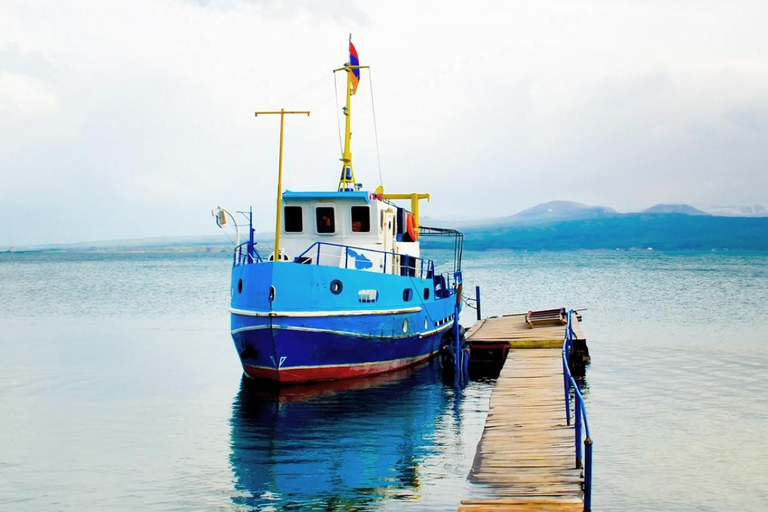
<point x="456" y="237"/>
<point x="580" y="415"/>
<point x="408" y="265"/>
<point x="245" y="253"/>
<point x="346" y="256"/>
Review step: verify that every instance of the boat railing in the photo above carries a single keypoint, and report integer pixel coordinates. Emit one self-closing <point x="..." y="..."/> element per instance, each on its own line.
<point x="363" y="258"/>
<point x="347" y="256"/>
<point x="245" y="254"/>
<point x="581" y="428"/>
<point x="452" y="236"/>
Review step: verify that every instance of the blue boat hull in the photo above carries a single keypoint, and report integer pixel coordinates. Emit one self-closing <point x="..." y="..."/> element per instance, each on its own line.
<point x="306" y="333"/>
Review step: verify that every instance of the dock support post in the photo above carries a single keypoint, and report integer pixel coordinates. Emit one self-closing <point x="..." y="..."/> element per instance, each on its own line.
<point x="477" y="301"/>
<point x="588" y="474"/>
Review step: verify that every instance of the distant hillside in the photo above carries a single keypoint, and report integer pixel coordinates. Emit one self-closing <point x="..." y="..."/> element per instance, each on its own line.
<point x="561" y="210"/>
<point x="684" y="209"/>
<point x="556" y="225"/>
<point x="741" y="210"/>
<point x="672" y="231"/>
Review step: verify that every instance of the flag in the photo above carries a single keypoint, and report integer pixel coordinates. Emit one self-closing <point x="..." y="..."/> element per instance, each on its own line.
<point x="354" y="61"/>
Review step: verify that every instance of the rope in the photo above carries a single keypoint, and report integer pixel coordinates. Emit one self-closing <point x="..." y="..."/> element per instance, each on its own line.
<point x="467" y="300"/>
<point x="375" y="128"/>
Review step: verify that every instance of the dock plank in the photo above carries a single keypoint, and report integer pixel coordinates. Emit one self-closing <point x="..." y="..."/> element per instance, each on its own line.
<point x="513" y="329"/>
<point x="525" y="456"/>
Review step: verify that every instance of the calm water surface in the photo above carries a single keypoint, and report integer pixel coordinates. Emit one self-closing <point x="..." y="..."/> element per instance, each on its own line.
<point x="120" y="389"/>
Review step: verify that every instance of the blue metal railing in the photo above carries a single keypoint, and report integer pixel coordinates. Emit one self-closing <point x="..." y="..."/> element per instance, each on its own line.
<point x="413" y="266"/>
<point x="244" y="254"/>
<point x="580" y="415"/>
<point x="421" y="266"/>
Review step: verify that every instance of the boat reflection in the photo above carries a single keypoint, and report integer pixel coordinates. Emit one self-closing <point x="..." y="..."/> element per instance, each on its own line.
<point x="338" y="445"/>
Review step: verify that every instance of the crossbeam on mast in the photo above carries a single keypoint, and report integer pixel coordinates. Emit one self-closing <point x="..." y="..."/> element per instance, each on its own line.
<point x="278" y="216"/>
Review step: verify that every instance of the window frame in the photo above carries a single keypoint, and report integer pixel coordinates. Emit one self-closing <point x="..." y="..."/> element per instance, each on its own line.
<point x="352" y="219"/>
<point x="285" y="218"/>
<point x="334" y="220"/>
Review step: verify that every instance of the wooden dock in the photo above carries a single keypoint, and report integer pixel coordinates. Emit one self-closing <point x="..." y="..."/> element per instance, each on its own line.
<point x="525" y="459"/>
<point x="513" y="331"/>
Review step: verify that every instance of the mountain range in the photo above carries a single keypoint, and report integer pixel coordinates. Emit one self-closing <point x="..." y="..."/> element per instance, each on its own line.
<point x="556" y="225"/>
<point x="563" y="225"/>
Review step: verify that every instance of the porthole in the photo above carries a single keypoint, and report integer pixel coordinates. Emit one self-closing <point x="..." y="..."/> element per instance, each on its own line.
<point x="425" y="323"/>
<point x="239" y="286"/>
<point x="336" y="287"/>
<point x="405" y="325"/>
<point x="271" y="294"/>
<point x="426" y="293"/>
<point x="407" y="294"/>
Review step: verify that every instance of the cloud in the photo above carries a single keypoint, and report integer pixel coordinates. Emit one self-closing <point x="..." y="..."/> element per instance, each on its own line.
<point x="114" y="115"/>
<point x="24" y="96"/>
<point x="339" y="10"/>
<point x="751" y="115"/>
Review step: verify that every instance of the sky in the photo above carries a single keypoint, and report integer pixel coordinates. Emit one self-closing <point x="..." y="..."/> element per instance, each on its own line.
<point x="133" y="119"/>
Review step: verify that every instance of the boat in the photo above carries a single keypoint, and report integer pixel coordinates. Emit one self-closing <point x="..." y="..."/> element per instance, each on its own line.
<point x="346" y="292"/>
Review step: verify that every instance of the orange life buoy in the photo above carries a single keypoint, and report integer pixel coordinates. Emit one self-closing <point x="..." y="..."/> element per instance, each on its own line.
<point x="413" y="230"/>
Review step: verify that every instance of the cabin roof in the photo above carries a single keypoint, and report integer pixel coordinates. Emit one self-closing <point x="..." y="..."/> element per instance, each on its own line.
<point x="356" y="195"/>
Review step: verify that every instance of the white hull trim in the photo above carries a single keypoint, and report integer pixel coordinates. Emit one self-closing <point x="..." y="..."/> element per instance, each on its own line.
<point x="306" y="314"/>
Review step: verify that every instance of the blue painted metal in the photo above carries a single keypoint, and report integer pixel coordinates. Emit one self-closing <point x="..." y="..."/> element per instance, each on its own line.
<point x="308" y="329"/>
<point x="477" y="303"/>
<point x="580" y="413"/>
<point x="357" y="252"/>
<point x="588" y="474"/>
<point x="251" y="245"/>
<point x="329" y="195"/>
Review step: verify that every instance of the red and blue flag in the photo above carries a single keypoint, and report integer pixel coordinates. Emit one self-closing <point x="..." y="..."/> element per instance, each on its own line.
<point x="354" y="61"/>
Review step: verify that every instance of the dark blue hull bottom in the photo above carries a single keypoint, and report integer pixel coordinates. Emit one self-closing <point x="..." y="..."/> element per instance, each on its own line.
<point x="296" y="355"/>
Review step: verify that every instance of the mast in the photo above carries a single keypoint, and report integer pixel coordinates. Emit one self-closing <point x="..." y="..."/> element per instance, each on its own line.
<point x="279" y="203"/>
<point x="347" y="181"/>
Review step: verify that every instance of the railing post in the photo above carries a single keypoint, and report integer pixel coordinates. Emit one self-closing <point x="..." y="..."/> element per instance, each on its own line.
<point x="477" y="302"/>
<point x="385" y="263"/>
<point x="577" y="414"/>
<point x="317" y="260"/>
<point x="346" y="257"/>
<point x="588" y="474"/>
<point x="567" y="393"/>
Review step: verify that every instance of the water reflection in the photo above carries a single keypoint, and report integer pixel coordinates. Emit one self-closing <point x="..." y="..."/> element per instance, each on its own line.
<point x="335" y="446"/>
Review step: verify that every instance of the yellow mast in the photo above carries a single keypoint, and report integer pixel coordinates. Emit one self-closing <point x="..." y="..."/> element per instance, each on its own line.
<point x="279" y="216"/>
<point x="347" y="180"/>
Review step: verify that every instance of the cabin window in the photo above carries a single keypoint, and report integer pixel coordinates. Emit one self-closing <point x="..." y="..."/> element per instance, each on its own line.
<point x="326" y="223"/>
<point x="361" y="219"/>
<point x="407" y="294"/>
<point x="294" y="222"/>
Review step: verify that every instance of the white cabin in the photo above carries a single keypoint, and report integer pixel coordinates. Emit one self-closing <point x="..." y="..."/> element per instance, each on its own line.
<point x="356" y="229"/>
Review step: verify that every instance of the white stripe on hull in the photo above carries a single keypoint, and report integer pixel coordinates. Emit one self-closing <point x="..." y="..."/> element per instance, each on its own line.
<point x="354" y="312"/>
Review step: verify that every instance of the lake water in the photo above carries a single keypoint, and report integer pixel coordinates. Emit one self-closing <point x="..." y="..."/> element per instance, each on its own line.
<point x="120" y="389"/>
